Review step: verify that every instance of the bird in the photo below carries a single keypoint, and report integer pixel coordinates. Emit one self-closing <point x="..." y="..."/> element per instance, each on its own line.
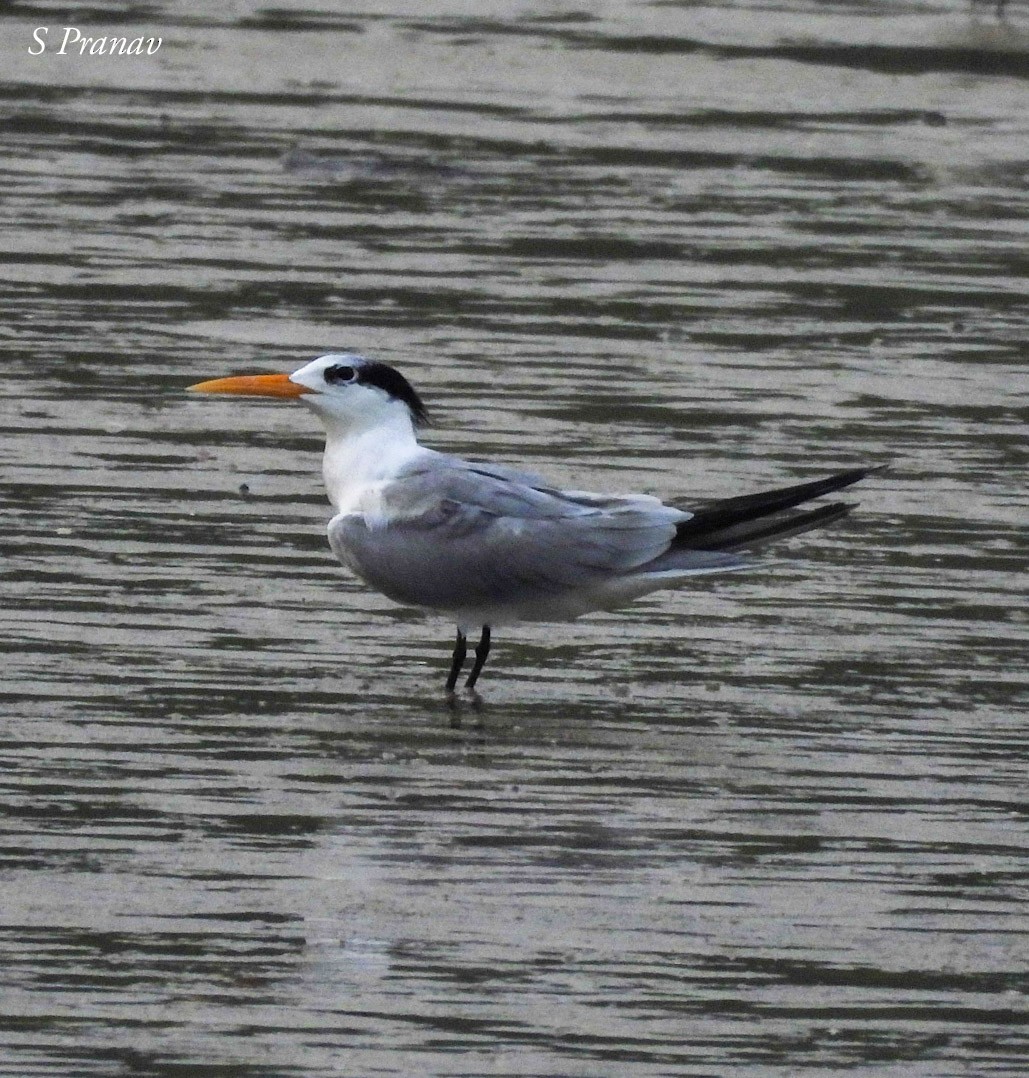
<point x="489" y="545"/>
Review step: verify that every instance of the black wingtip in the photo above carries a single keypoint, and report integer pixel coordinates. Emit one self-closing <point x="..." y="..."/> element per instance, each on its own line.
<point x="756" y="533"/>
<point x="837" y="481"/>
<point x="728" y="522"/>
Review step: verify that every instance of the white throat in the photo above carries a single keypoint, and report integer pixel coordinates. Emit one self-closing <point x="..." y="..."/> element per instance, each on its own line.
<point x="358" y="461"/>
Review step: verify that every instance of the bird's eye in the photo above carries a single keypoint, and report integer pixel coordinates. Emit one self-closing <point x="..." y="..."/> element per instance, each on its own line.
<point x="339" y="374"/>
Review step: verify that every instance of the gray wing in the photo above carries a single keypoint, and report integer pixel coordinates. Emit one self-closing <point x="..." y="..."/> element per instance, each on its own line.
<point x="486" y="485"/>
<point x="537" y="484"/>
<point x="451" y="535"/>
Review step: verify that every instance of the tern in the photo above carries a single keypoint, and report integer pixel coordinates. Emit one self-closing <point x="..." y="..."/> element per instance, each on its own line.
<point x="488" y="545"/>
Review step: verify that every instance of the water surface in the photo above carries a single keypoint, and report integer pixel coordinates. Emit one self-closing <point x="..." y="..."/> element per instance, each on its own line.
<point x="770" y="825"/>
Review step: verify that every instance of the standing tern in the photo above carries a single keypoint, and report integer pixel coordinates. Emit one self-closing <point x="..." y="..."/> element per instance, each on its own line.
<point x="488" y="545"/>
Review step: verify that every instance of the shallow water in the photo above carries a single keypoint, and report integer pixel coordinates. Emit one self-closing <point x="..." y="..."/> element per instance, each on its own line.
<point x="770" y="825"/>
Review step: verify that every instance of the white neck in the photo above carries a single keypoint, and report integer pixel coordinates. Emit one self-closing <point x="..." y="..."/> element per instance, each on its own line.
<point x="357" y="459"/>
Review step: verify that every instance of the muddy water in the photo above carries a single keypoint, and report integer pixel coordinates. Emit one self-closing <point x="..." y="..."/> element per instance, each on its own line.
<point x="769" y="825"/>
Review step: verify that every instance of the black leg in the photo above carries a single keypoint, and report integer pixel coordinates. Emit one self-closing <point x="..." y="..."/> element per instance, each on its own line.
<point x="481" y="652"/>
<point x="460" y="651"/>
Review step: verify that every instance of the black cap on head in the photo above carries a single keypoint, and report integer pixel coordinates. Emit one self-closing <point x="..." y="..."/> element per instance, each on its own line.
<point x="390" y="380"/>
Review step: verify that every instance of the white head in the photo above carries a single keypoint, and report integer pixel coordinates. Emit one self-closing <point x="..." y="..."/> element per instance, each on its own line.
<point x="351" y="391"/>
<point x="348" y="392"/>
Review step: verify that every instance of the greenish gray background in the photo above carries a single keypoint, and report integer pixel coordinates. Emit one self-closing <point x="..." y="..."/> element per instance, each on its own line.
<point x="768" y="826"/>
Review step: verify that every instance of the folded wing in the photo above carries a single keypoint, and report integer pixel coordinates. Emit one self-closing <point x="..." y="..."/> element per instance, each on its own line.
<point x="450" y="535"/>
<point x="455" y="536"/>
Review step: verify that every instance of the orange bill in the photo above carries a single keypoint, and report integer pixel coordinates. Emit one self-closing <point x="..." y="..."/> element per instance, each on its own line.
<point x="253" y="385"/>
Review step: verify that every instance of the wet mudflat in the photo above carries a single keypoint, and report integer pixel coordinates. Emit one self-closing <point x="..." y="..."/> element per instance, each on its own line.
<point x="773" y="824"/>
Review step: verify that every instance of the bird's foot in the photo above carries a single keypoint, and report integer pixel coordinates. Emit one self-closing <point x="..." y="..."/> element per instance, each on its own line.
<point x="456" y="704"/>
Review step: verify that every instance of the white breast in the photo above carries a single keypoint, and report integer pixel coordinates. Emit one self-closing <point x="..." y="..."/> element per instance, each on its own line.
<point x="358" y="467"/>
